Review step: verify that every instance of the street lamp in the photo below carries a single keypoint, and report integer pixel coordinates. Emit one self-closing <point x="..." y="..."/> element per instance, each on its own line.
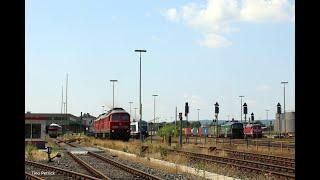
<point x="154" y="113"/>
<point x="140" y="105"/>
<point x="267" y="121"/>
<point x="135" y="114"/>
<point x="241" y="107"/>
<point x="284" y="105"/>
<point x="113" y="81"/>
<point x="130" y="109"/>
<point x="245" y="112"/>
<point x="279" y="113"/>
<point x="198" y="113"/>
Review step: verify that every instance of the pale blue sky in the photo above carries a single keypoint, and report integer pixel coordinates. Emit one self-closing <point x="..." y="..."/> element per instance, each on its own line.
<point x="195" y="53"/>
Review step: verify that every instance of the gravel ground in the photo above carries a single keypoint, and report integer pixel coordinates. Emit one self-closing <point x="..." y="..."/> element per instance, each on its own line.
<point x="68" y="163"/>
<point x="105" y="168"/>
<point x="155" y="172"/>
<point x="40" y="173"/>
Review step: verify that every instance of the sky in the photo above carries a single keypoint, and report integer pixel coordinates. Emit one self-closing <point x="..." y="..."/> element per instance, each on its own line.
<point x="200" y="52"/>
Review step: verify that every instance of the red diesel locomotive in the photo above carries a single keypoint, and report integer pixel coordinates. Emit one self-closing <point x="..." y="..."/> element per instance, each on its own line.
<point x="115" y="124"/>
<point x="252" y="130"/>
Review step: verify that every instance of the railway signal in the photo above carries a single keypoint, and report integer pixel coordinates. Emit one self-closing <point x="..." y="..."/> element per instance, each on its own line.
<point x="279" y="113"/>
<point x="180" y="133"/>
<point x="216" y="110"/>
<point x="245" y="111"/>
<point x="252" y="117"/>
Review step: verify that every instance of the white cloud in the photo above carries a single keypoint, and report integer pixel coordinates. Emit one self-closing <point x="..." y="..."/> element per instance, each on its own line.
<point x="266" y="10"/>
<point x="214" y="41"/>
<point x="216" y="17"/>
<point x="171" y="14"/>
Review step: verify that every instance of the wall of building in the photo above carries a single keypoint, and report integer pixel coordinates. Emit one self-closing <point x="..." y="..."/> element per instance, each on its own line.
<point x="285" y="126"/>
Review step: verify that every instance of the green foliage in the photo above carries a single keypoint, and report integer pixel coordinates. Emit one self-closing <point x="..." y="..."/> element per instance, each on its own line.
<point x="195" y="124"/>
<point x="168" y="130"/>
<point x="163" y="152"/>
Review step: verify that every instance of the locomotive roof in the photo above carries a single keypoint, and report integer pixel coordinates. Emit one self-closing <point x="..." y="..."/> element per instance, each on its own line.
<point x="112" y="111"/>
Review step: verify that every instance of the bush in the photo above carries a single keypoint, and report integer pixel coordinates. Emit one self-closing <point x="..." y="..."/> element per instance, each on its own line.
<point x="163" y="152"/>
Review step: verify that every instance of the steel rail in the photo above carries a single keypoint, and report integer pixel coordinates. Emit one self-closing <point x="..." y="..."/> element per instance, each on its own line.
<point x="126" y="168"/>
<point x="61" y="171"/>
<point x="249" y="165"/>
<point x="89" y="167"/>
<point x="29" y="176"/>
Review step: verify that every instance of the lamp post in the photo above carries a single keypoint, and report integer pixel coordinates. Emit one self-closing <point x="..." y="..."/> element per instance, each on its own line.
<point x="269" y="124"/>
<point x="130" y="109"/>
<point x="154" y="113"/>
<point x="140" y="105"/>
<point x="216" y="111"/>
<point x="279" y="113"/>
<point x="284" y="105"/>
<point x="113" y="81"/>
<point x="241" y="107"/>
<point x="198" y="113"/>
<point x="245" y="112"/>
<point x="135" y="114"/>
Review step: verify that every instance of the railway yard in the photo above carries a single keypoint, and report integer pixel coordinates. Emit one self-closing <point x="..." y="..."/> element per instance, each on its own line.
<point x="85" y="157"/>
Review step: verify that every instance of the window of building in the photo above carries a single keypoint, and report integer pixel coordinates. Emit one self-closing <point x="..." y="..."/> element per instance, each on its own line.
<point x="27" y="131"/>
<point x="133" y="128"/>
<point x="36" y="131"/>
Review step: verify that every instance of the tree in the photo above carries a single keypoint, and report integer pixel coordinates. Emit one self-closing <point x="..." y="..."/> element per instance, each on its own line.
<point x="168" y="130"/>
<point x="195" y="124"/>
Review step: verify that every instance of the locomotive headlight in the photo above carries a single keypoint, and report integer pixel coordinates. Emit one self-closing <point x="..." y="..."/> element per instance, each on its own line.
<point x="112" y="130"/>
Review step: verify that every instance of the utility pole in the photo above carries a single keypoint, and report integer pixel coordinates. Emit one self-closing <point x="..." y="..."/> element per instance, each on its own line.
<point x="284" y="106"/>
<point x="241" y="107"/>
<point x="176" y="118"/>
<point x="113" y="81"/>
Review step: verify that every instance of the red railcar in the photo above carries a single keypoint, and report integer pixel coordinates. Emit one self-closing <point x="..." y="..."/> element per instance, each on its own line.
<point x="252" y="130"/>
<point x="115" y="124"/>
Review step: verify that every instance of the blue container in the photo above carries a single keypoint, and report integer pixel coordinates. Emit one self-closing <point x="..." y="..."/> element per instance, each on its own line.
<point x="206" y="130"/>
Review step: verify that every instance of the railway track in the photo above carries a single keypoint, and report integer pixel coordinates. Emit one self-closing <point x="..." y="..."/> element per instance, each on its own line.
<point x="276" y="160"/>
<point x="252" y="166"/>
<point x="55" y="172"/>
<point x="91" y="160"/>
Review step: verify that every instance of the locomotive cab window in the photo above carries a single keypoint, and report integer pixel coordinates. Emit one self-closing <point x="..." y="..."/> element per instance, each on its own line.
<point x="120" y="117"/>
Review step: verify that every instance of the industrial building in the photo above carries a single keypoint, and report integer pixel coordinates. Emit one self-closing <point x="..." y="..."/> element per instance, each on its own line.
<point x="287" y="125"/>
<point x="69" y="122"/>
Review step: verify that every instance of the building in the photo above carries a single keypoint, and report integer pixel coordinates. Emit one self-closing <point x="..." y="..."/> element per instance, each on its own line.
<point x="87" y="121"/>
<point x="289" y="123"/>
<point x="35" y="131"/>
<point x="69" y="122"/>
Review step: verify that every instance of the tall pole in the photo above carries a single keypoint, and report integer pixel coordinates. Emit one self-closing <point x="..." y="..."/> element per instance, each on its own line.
<point x="135" y="114"/>
<point x="284" y="106"/>
<point x="67" y="95"/>
<point x="130" y="110"/>
<point x="113" y="81"/>
<point x="241" y="107"/>
<point x="198" y="113"/>
<point x="102" y="109"/>
<point x="176" y="117"/>
<point x="267" y="120"/>
<point x="140" y="105"/>
<point x="154" y="112"/>
<point x="62" y="101"/>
